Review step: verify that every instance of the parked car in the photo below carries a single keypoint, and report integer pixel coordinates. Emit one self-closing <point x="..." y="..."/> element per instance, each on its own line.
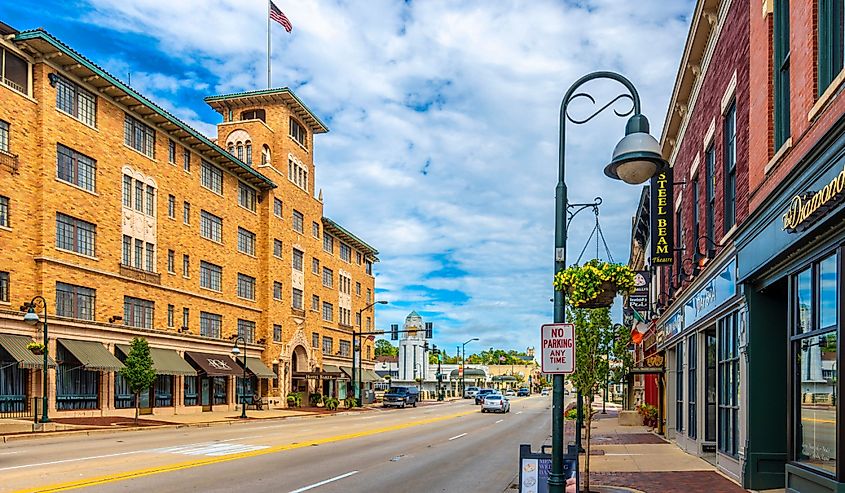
<point x="479" y="396"/>
<point x="495" y="403"/>
<point x="523" y="392"/>
<point x="510" y="393"/>
<point x="544" y="392"/>
<point x="401" y="397"/>
<point x="470" y="392"/>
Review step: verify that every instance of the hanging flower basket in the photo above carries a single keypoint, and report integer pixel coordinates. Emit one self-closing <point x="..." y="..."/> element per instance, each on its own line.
<point x="36" y="348"/>
<point x="594" y="284"/>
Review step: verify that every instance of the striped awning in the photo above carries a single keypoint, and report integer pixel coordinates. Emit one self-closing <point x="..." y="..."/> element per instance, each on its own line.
<point x="16" y="347"/>
<point x="165" y="361"/>
<point x="258" y="368"/>
<point x="370" y="376"/>
<point x="92" y="355"/>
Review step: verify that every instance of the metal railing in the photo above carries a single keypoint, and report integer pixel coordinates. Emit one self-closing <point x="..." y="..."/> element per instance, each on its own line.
<point x="9" y="161"/>
<point x="12" y="407"/>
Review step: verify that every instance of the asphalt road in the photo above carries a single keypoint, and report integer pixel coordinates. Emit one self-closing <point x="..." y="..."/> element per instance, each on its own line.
<point x="447" y="447"/>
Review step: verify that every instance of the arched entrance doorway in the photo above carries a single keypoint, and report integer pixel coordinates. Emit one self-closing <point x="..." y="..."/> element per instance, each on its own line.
<point x="299" y="367"/>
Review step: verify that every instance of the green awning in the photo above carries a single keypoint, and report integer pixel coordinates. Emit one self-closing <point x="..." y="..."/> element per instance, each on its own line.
<point x="165" y="361"/>
<point x="504" y="378"/>
<point x="370" y="376"/>
<point x="92" y="355"/>
<point x="258" y="368"/>
<point x="16" y="347"/>
<point x="469" y="372"/>
<point x="347" y="370"/>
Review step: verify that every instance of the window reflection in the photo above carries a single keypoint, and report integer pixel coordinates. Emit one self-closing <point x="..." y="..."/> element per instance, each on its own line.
<point x="805" y="300"/>
<point x="817" y="401"/>
<point x="827" y="292"/>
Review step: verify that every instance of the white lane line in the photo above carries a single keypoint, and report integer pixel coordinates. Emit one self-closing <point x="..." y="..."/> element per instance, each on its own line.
<point x="519" y="412"/>
<point x="497" y="422"/>
<point x="209" y="449"/>
<point x="69" y="460"/>
<point x="321" y="483"/>
<point x="457" y="436"/>
<point x="8" y="453"/>
<point x="241" y="438"/>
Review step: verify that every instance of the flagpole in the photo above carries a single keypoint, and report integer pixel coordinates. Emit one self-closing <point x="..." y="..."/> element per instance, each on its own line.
<point x="268" y="44"/>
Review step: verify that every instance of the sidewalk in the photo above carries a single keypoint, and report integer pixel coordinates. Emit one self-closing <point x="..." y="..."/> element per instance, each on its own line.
<point x="635" y="458"/>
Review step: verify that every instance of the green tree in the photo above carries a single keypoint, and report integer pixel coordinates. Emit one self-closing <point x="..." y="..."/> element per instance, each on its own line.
<point x="385" y="348"/>
<point x="138" y="370"/>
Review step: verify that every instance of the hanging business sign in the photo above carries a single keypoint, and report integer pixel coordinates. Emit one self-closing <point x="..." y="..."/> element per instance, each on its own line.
<point x="638" y="300"/>
<point x="662" y="198"/>
<point x="807" y="208"/>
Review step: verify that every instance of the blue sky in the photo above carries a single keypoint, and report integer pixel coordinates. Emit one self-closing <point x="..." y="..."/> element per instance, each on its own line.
<point x="443" y="113"/>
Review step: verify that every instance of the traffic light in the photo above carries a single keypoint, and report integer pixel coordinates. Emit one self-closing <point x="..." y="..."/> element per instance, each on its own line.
<point x="394" y="332"/>
<point x="429" y="330"/>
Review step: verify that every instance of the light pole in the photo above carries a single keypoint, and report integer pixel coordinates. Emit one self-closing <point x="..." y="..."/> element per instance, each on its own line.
<point x="32" y="318"/>
<point x="464" y="365"/>
<point x="236" y="352"/>
<point x="636" y="158"/>
<point x="356" y="350"/>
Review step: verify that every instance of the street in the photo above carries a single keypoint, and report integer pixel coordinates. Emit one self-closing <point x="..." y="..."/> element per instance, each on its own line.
<point x="445" y="447"/>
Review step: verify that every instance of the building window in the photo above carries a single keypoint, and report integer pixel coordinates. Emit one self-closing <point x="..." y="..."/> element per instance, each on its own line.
<point x="696" y="217"/>
<point x="679" y="387"/>
<point x="692" y="385"/>
<point x="328" y="277"/>
<point x="345" y="284"/>
<point x="75" y="301"/>
<point x="211" y="178"/>
<point x="328" y="311"/>
<point x="830" y="49"/>
<point x="139" y="136"/>
<point x="170" y="315"/>
<point x="4" y="136"/>
<point x="186" y="265"/>
<point x="345" y="252"/>
<point x="151" y="200"/>
<point x="186" y="212"/>
<point x="75" y="168"/>
<point x="186" y="317"/>
<point x="297" y="299"/>
<point x="4" y="212"/>
<point x="277" y="208"/>
<point x="186" y="160"/>
<point x="298" y="174"/>
<point x="358" y="319"/>
<point x="139" y="253"/>
<point x="246" y="241"/>
<point x="211" y="276"/>
<point x="171" y="261"/>
<point x="357" y="288"/>
<point x="151" y="256"/>
<point x="211" y="325"/>
<point x="248" y="146"/>
<point x="246" y="286"/>
<point x="369" y="323"/>
<point x="171" y="205"/>
<point x="368" y="267"/>
<point x="127" y="250"/>
<point x="315" y="302"/>
<point x="730" y="167"/>
<point x="211" y="226"/>
<point x="315" y="265"/>
<point x="246" y="196"/>
<point x="258" y="114"/>
<point x="139" y="196"/>
<point x="277" y="248"/>
<point x="710" y="190"/>
<point x="298" y="132"/>
<point x="277" y="291"/>
<point x="265" y="154"/>
<point x="297" y="259"/>
<point x="369" y="295"/>
<point x="4" y="287"/>
<point x="343" y="315"/>
<point x="781" y="50"/>
<point x="328" y="243"/>
<point x="728" y="398"/>
<point x="344" y="348"/>
<point x="246" y="329"/>
<point x="75" y="235"/>
<point x="138" y="312"/>
<point x="358" y="258"/>
<point x="328" y="345"/>
<point x="679" y="240"/>
<point x="14" y="71"/>
<point x="277" y="333"/>
<point x="76" y="101"/>
<point x="171" y="152"/>
<point x="315" y="229"/>
<point x="315" y="340"/>
<point x="297" y="221"/>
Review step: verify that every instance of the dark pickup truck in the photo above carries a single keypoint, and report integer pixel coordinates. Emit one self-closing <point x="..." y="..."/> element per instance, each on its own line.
<point x="401" y="397"/>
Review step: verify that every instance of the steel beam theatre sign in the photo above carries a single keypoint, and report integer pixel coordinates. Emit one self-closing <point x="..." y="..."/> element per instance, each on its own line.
<point x="662" y="227"/>
<point x="558" y="348"/>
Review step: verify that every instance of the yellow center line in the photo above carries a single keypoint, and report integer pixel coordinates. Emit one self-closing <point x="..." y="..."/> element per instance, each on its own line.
<point x="122" y="476"/>
<point x="819" y="420"/>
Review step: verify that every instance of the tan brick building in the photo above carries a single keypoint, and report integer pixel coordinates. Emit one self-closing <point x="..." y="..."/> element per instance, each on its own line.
<point x="130" y="223"/>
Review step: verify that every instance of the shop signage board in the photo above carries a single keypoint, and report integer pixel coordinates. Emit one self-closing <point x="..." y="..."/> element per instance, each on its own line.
<point x="638" y="300"/>
<point x="558" y="343"/>
<point x="809" y="207"/>
<point x="662" y="200"/>
<point x="716" y="291"/>
<point x="535" y="467"/>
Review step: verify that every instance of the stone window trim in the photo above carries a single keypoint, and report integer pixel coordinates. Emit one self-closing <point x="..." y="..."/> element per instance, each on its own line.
<point x="729" y="96"/>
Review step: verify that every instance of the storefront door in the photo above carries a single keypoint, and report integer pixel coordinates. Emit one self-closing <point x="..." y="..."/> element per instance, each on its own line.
<point x="710" y="385"/>
<point x="144" y="402"/>
<point x="205" y="393"/>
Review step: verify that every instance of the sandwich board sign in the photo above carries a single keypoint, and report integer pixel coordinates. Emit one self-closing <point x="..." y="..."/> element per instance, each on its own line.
<point x="558" y="348"/>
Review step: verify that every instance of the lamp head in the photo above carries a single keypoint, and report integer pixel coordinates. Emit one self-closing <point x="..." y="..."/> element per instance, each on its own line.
<point x="31" y="317"/>
<point x="382" y="302"/>
<point x="637" y="157"/>
<point x="235" y="350"/>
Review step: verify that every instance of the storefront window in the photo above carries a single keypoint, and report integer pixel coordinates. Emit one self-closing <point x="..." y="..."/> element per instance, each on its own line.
<point x="817" y="401"/>
<point x="804" y="282"/>
<point x="693" y="385"/>
<point x="679" y="387"/>
<point x="827" y="292"/>
<point x="191" y="396"/>
<point x="220" y="384"/>
<point x="164" y="390"/>
<point x="13" y="383"/>
<point x="728" y="439"/>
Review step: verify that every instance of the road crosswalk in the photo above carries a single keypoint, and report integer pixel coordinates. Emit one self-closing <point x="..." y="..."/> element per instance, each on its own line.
<point x="212" y="449"/>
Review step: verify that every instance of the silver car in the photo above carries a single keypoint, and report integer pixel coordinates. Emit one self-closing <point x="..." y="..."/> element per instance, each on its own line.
<point x="495" y="403"/>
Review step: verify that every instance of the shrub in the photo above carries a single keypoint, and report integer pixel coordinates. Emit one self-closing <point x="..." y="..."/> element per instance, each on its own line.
<point x="649" y="414"/>
<point x="349" y="402"/>
<point x="330" y="403"/>
<point x="315" y="399"/>
<point x="294" y="399"/>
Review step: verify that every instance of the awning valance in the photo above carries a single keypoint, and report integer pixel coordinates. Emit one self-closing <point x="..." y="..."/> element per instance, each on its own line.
<point x="213" y="365"/>
<point x="165" y="361"/>
<point x="92" y="355"/>
<point x="16" y="347"/>
<point x="258" y="368"/>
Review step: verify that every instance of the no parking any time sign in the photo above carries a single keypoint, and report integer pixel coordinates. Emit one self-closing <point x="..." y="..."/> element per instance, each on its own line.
<point x="558" y="348"/>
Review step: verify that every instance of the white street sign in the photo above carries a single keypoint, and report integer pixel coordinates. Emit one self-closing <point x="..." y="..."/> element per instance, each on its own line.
<point x="558" y="348"/>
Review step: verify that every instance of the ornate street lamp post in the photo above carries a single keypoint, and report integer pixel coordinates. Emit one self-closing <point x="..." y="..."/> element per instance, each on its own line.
<point x="636" y="158"/>
<point x="236" y="352"/>
<point x="32" y="318"/>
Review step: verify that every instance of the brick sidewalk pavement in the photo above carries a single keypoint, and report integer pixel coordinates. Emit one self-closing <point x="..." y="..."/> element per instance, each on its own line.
<point x="668" y="481"/>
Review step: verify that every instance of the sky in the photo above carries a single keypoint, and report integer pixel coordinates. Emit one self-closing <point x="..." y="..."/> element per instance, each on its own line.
<point x="443" y="117"/>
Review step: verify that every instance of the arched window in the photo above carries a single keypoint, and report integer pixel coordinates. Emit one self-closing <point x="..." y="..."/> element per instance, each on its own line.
<point x="249" y="153"/>
<point x="240" y="147"/>
<point x="265" y="154"/>
<point x="231" y="149"/>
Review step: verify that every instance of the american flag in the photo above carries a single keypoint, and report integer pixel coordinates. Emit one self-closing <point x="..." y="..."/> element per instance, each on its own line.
<point x="278" y="16"/>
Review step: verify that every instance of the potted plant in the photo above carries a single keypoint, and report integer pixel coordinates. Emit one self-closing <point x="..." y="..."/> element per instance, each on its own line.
<point x="330" y="403"/>
<point x="349" y="402"/>
<point x="315" y="399"/>
<point x="36" y="347"/>
<point x="294" y="399"/>
<point x="594" y="284"/>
